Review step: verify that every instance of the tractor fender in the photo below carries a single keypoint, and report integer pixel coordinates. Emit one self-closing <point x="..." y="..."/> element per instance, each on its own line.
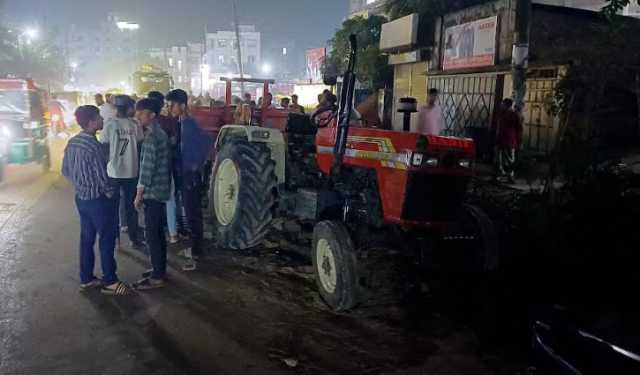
<point x="273" y="138"/>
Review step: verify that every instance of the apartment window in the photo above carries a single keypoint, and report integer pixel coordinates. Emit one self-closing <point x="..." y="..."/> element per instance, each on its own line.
<point x="252" y="59"/>
<point x="170" y="61"/>
<point x="221" y="59"/>
<point x="222" y="43"/>
<point x="179" y="65"/>
<point x="251" y="43"/>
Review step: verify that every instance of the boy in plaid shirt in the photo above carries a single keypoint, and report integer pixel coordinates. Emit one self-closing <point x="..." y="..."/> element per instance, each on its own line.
<point x="154" y="189"/>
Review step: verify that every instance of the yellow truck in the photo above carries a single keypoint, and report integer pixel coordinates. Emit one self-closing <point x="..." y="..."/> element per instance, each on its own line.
<point x="151" y="78"/>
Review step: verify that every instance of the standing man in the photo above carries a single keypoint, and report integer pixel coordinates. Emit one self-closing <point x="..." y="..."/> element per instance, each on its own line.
<point x="508" y="139"/>
<point x="284" y="103"/>
<point x="85" y="166"/>
<point x="169" y="125"/>
<point x="430" y="119"/>
<point x="107" y="108"/>
<point x="295" y="107"/>
<point x="99" y="99"/>
<point x="123" y="134"/>
<point x="154" y="189"/>
<point x="193" y="152"/>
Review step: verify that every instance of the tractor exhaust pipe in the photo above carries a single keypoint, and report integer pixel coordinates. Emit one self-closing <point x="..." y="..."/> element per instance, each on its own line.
<point x="345" y="110"/>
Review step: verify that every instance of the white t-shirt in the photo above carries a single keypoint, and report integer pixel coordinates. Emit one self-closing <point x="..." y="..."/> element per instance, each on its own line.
<point x="122" y="135"/>
<point x="431" y="121"/>
<point x="107" y="111"/>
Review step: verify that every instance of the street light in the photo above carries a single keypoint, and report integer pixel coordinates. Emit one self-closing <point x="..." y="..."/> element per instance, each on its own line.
<point x="31" y="34"/>
<point x="266" y="68"/>
<point x="122" y="25"/>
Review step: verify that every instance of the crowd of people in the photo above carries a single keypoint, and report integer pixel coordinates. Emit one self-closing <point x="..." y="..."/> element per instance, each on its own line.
<point x="137" y="155"/>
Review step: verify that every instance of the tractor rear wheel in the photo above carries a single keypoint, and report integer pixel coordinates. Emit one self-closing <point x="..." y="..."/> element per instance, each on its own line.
<point x="334" y="264"/>
<point x="243" y="194"/>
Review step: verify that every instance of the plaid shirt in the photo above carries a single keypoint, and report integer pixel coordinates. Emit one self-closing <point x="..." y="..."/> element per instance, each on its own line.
<point x="154" y="166"/>
<point x="85" y="166"/>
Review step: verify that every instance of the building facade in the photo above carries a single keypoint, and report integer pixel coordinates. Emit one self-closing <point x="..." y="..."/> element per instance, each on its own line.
<point x="222" y="51"/>
<point x="366" y="7"/>
<point x="106" y="55"/>
<point x="470" y="65"/>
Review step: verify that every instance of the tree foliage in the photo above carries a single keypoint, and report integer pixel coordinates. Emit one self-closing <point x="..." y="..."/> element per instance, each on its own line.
<point x="372" y="69"/>
<point x="613" y="7"/>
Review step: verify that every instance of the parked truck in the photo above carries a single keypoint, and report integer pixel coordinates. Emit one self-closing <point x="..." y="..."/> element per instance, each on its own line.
<point x="151" y="78"/>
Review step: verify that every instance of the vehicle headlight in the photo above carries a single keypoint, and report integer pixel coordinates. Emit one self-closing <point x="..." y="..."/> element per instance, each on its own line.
<point x="417" y="159"/>
<point x="464" y="163"/>
<point x="6" y="132"/>
<point x="432" y="162"/>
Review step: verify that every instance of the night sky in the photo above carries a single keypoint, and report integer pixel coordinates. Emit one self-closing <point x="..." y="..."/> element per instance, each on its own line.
<point x="306" y="23"/>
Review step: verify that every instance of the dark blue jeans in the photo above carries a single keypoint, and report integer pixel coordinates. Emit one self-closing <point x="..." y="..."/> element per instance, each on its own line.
<point x="98" y="217"/>
<point x="155" y="217"/>
<point x="128" y="188"/>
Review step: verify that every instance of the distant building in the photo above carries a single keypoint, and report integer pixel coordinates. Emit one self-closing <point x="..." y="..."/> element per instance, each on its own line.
<point x="367" y="7"/>
<point x="106" y="55"/>
<point x="183" y="63"/>
<point x="222" y="51"/>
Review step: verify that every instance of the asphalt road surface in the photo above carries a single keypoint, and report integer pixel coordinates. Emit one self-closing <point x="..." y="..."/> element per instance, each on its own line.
<point x="254" y="312"/>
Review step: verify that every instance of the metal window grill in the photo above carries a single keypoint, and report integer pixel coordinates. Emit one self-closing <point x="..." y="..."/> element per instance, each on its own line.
<point x="467" y="101"/>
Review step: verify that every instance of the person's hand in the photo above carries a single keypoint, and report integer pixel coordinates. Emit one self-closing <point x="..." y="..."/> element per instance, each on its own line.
<point x="138" y="201"/>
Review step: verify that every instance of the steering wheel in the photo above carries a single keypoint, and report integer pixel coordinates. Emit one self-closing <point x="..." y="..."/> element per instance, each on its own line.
<point x="323" y="123"/>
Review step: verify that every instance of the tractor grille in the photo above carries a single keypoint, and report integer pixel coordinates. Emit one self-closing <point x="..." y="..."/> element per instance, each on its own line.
<point x="434" y="197"/>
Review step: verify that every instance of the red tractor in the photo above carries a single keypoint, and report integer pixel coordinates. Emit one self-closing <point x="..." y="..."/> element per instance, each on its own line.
<point x="342" y="188"/>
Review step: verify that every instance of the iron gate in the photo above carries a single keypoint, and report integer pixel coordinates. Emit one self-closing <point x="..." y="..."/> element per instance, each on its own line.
<point x="467" y="101"/>
<point x="539" y="125"/>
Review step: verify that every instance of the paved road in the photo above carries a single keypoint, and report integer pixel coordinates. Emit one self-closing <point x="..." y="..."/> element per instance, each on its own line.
<point x="46" y="325"/>
<point x="254" y="312"/>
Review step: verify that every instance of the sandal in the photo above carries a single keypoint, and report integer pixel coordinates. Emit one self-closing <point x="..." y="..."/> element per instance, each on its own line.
<point x="95" y="283"/>
<point x="117" y="289"/>
<point x="148" y="284"/>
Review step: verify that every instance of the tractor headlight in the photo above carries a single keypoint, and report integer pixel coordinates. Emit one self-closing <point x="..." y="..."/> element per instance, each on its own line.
<point x="464" y="163"/>
<point x="432" y="162"/>
<point x="417" y="160"/>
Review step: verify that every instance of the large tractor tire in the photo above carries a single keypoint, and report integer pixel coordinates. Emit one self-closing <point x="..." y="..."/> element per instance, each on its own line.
<point x="243" y="194"/>
<point x="334" y="264"/>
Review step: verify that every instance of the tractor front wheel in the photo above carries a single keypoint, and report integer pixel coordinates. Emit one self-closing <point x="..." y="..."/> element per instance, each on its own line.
<point x="242" y="195"/>
<point x="334" y="263"/>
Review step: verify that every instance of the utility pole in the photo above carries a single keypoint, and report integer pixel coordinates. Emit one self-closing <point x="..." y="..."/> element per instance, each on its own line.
<point x="237" y="29"/>
<point x="520" y="55"/>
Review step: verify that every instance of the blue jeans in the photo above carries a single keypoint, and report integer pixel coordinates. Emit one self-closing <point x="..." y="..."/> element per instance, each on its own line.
<point x="172" y="223"/>
<point x="154" y="220"/>
<point x="98" y="217"/>
<point x="128" y="188"/>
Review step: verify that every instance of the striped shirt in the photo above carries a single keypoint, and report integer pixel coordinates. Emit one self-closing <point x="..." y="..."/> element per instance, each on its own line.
<point x="154" y="168"/>
<point x="85" y="166"/>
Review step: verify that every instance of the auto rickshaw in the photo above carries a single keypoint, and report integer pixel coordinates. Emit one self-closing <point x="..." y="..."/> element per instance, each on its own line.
<point x="23" y="124"/>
